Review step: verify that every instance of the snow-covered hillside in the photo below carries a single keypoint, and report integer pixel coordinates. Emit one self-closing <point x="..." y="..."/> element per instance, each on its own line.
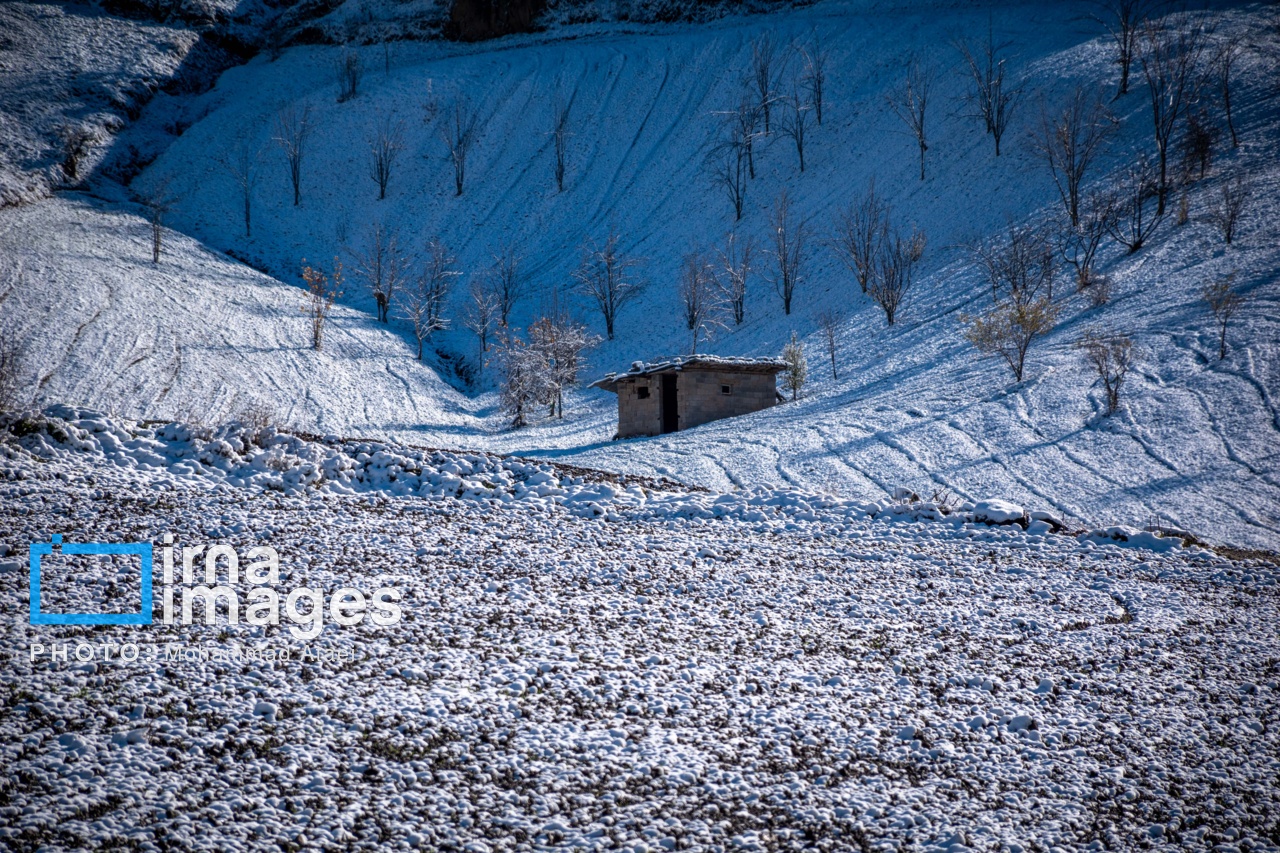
<point x="1195" y="445"/>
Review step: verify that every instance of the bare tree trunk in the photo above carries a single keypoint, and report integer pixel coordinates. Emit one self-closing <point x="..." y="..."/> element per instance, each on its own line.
<point x="815" y="74"/>
<point x="860" y="231"/>
<point x="763" y="71"/>
<point x="459" y="134"/>
<point x="1123" y="20"/>
<point x="383" y="148"/>
<point x="1171" y="65"/>
<point x="1070" y="142"/>
<point x="788" y="249"/>
<point x="910" y="102"/>
<point x="560" y="133"/>
<point x="292" y="129"/>
<point x="603" y="276"/>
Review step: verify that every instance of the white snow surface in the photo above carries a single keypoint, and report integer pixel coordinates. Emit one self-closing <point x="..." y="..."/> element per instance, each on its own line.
<point x="71" y="65"/>
<point x="201" y="337"/>
<point x="636" y="680"/>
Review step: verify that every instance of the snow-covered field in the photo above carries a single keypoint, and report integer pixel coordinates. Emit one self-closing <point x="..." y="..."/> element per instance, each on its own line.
<point x="202" y="337"/>
<point x="916" y="609"/>
<point x="667" y="670"/>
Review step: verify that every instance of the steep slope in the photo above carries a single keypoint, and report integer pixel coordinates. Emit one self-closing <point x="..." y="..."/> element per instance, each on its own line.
<point x="1196" y="441"/>
<point x="199" y="336"/>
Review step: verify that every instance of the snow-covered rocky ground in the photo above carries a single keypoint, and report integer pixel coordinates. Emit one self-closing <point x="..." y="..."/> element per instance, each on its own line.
<point x="670" y="669"/>
<point x="202" y="337"/>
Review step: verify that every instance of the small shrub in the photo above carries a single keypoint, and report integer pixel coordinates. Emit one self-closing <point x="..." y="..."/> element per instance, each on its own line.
<point x="1111" y="356"/>
<point x="797" y="368"/>
<point x="347" y="69"/>
<point x="1099" y="291"/>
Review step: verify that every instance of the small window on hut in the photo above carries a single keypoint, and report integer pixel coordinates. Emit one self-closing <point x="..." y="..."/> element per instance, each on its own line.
<point x="726" y="389"/>
<point x="642" y="391"/>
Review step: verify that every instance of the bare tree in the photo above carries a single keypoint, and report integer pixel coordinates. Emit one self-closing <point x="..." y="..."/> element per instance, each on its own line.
<point x="1022" y="267"/>
<point x="560" y="135"/>
<point x="1197" y="146"/>
<point x="890" y="286"/>
<point x="1009" y="328"/>
<point x="1124" y="20"/>
<point x="796" y="122"/>
<point x="1070" y="141"/>
<point x="788" y="249"/>
<point x="480" y="316"/>
<point x="764" y="74"/>
<point x="292" y="127"/>
<point x="735" y="262"/>
<point x="158" y="202"/>
<point x="1134" y="221"/>
<point x="1232" y="199"/>
<point x="524" y="378"/>
<point x="1225" y="57"/>
<point x="424" y="301"/>
<point x="1225" y="302"/>
<point x="702" y="299"/>
<point x="1079" y="244"/>
<point x="1170" y="57"/>
<point x="814" y="78"/>
<point x="860" y="230"/>
<point x="459" y="134"/>
<point x="992" y="97"/>
<point x="797" y="367"/>
<point x="346" y="69"/>
<point x="508" y="284"/>
<point x="829" y="324"/>
<point x="320" y="296"/>
<point x="438" y="276"/>
<point x="910" y="102"/>
<point x="560" y="343"/>
<point x="242" y="160"/>
<point x="745" y="125"/>
<point x="384" y="146"/>
<point x="383" y="266"/>
<point x="1111" y="355"/>
<point x="728" y="164"/>
<point x="604" y="276"/>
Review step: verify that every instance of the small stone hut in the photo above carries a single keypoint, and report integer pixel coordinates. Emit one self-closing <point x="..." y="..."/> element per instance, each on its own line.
<point x="682" y="392"/>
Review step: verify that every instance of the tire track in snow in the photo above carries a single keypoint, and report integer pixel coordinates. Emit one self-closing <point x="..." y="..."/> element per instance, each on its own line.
<point x="835" y="456"/>
<point x="635" y="140"/>
<point x="729" y="475"/>
<point x="1230" y="451"/>
<point x="75" y="338"/>
<point x="893" y="442"/>
<point x="1006" y="466"/>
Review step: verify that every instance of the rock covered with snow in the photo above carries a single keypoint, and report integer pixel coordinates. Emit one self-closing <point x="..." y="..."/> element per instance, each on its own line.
<point x="999" y="512"/>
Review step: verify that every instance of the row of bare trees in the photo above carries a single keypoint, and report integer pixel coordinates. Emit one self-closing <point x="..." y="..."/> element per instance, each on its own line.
<point x="881" y="255"/>
<point x="764" y="97"/>
<point x="458" y="128"/>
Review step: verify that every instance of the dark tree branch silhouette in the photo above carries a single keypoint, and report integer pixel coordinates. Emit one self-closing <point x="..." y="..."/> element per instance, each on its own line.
<point x="910" y="101"/>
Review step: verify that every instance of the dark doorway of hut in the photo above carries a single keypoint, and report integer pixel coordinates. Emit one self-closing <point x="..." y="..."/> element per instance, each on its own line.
<point x="670" y="404"/>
